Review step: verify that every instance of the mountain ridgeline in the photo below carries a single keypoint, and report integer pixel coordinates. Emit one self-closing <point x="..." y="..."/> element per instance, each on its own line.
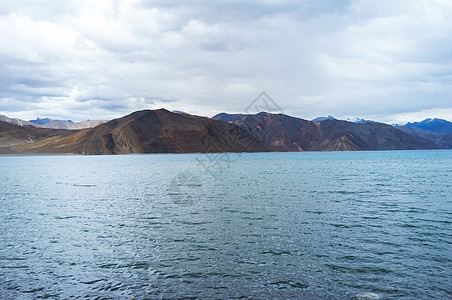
<point x="294" y="134"/>
<point x="150" y="131"/>
<point x="53" y="124"/>
<point x="161" y="131"/>
<point x="433" y="125"/>
<point x="65" y="124"/>
<point x="13" y="135"/>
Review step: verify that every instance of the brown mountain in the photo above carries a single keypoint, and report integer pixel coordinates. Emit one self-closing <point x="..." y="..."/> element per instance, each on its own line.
<point x="281" y="131"/>
<point x="342" y="135"/>
<point x="442" y="140"/>
<point x="160" y="131"/>
<point x="294" y="134"/>
<point x="152" y="131"/>
<point x="13" y="135"/>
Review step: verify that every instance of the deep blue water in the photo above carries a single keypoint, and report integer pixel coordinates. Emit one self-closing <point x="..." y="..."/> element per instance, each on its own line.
<point x="328" y="225"/>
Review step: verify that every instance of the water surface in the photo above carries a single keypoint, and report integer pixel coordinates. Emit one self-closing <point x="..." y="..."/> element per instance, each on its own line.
<point x="328" y="225"/>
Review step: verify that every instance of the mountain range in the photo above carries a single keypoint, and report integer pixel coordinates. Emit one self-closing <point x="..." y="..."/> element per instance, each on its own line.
<point x="162" y="131"/>
<point x="147" y="131"/>
<point x="433" y="125"/>
<point x="54" y="124"/>
<point x="65" y="124"/>
<point x="15" y="121"/>
<point x="13" y="135"/>
<point x="294" y="134"/>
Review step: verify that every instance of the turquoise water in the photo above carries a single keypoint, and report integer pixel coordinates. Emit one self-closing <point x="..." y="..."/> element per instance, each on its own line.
<point x="328" y="225"/>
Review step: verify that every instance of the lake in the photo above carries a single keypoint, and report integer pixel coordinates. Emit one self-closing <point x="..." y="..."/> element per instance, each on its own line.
<point x="320" y="225"/>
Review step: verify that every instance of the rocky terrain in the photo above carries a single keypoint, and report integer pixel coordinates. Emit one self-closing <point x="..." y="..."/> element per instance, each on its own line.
<point x="15" y="121"/>
<point x="151" y="131"/>
<point x="12" y="135"/>
<point x="161" y="131"/>
<point x="442" y="140"/>
<point x="288" y="133"/>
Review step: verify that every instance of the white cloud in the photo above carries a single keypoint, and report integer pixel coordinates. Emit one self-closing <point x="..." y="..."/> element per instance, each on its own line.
<point x="102" y="59"/>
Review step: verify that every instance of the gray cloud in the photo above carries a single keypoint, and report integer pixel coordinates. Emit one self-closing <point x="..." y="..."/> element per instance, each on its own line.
<point x="381" y="59"/>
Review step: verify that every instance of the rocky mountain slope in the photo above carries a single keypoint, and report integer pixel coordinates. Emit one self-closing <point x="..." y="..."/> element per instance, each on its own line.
<point x="152" y="131"/>
<point x="161" y="131"/>
<point x="281" y="131"/>
<point x="294" y="134"/>
<point x="442" y="140"/>
<point x="15" y="121"/>
<point x="13" y="135"/>
<point x="342" y="136"/>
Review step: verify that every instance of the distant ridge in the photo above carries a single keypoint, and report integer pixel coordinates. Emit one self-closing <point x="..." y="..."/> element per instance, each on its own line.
<point x="433" y="125"/>
<point x="294" y="134"/>
<point x="15" y="121"/>
<point x="39" y="121"/>
<point x="321" y="119"/>
<point x="53" y="124"/>
<point x="66" y="124"/>
<point x="360" y="121"/>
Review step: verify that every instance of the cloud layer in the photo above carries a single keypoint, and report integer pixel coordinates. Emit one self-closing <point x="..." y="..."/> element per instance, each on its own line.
<point x="384" y="60"/>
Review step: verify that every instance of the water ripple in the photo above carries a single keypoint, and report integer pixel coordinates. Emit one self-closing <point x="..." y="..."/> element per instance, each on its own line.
<point x="364" y="225"/>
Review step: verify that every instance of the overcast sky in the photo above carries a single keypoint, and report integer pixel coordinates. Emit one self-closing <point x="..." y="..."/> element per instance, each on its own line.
<point x="385" y="60"/>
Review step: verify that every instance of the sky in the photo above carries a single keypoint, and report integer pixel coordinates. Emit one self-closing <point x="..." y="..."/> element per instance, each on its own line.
<point x="383" y="60"/>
